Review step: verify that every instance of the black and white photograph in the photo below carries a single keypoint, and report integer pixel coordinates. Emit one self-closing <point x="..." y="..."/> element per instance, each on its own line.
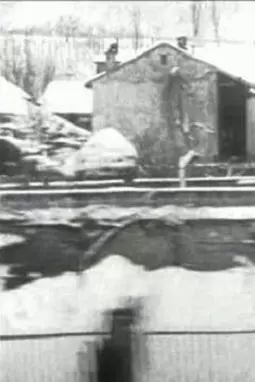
<point x="127" y="191"/>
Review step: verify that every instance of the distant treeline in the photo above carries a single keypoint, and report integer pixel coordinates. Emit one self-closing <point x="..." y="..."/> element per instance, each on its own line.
<point x="32" y="60"/>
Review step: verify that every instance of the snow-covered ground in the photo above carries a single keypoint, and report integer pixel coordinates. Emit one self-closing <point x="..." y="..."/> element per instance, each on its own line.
<point x="174" y="299"/>
<point x="111" y="213"/>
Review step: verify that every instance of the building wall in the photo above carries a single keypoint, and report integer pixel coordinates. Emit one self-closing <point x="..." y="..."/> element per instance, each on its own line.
<point x="142" y="101"/>
<point x="250" y="129"/>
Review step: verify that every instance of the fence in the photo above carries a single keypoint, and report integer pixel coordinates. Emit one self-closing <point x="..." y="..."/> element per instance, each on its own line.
<point x="165" y="356"/>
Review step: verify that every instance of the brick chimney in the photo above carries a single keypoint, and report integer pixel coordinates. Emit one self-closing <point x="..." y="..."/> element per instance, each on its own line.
<point x="182" y="42"/>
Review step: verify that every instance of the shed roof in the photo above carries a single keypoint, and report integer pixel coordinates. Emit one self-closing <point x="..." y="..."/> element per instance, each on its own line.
<point x="236" y="76"/>
<point x="13" y="100"/>
<point x="67" y="97"/>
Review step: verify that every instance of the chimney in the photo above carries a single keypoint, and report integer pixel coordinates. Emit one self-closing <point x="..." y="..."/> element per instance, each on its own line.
<point x="109" y="61"/>
<point x="182" y="42"/>
<point x="111" y="54"/>
<point x="100" y="66"/>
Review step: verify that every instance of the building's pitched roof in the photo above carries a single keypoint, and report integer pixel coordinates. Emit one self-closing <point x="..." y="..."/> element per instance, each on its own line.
<point x="11" y="87"/>
<point x="67" y="97"/>
<point x="13" y="100"/>
<point x="235" y="76"/>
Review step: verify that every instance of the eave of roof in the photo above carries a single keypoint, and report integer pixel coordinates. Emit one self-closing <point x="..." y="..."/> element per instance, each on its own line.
<point x="67" y="97"/>
<point x="89" y="84"/>
<point x="14" y="88"/>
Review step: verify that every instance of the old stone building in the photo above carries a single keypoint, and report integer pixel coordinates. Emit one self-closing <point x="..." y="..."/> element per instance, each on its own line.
<point x="167" y="102"/>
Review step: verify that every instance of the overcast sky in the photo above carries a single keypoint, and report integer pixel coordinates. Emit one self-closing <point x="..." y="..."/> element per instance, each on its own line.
<point x="238" y="23"/>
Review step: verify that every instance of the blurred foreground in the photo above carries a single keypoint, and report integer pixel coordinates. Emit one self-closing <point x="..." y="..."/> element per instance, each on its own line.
<point x="192" y="325"/>
<point x="176" y="304"/>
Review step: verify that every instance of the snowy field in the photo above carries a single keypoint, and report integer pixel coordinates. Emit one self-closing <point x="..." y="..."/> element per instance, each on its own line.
<point x="174" y="300"/>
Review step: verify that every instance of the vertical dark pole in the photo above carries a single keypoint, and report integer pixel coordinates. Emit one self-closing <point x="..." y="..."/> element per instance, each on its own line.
<point x="122" y="338"/>
<point x="115" y="357"/>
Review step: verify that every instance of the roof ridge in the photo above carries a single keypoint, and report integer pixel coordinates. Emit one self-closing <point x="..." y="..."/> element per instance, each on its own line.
<point x="88" y="83"/>
<point x="135" y="58"/>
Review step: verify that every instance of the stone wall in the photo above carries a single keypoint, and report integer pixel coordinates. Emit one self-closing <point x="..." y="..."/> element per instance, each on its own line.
<point x="56" y="241"/>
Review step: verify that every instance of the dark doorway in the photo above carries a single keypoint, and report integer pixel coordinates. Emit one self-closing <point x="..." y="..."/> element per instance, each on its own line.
<point x="232" y="119"/>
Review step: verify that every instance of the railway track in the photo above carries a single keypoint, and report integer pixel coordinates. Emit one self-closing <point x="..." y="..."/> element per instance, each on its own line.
<point x="213" y="191"/>
<point x="128" y="196"/>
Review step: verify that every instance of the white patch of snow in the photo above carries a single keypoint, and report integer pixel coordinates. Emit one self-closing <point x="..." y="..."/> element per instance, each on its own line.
<point x="174" y="299"/>
<point x="7" y="239"/>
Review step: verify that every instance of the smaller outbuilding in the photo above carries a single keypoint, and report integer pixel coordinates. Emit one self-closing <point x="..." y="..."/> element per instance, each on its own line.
<point x="69" y="99"/>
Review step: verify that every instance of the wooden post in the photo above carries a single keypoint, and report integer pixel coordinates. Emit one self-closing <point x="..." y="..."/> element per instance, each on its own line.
<point x="183" y="163"/>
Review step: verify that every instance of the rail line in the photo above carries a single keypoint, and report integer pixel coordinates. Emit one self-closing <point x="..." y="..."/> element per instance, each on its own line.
<point x="128" y="195"/>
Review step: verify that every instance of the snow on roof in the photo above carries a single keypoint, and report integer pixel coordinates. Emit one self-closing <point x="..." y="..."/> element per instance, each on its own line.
<point x="14" y="88"/>
<point x="238" y="73"/>
<point x="13" y="100"/>
<point x="67" y="97"/>
<point x="238" y="61"/>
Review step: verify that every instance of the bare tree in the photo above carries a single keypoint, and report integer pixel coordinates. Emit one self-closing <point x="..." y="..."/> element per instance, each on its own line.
<point x="21" y="66"/>
<point x="30" y="81"/>
<point x="135" y="15"/>
<point x="215" y="17"/>
<point x="156" y="33"/>
<point x="196" y="8"/>
<point x="12" y="65"/>
<point x="48" y="73"/>
<point x="68" y="26"/>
